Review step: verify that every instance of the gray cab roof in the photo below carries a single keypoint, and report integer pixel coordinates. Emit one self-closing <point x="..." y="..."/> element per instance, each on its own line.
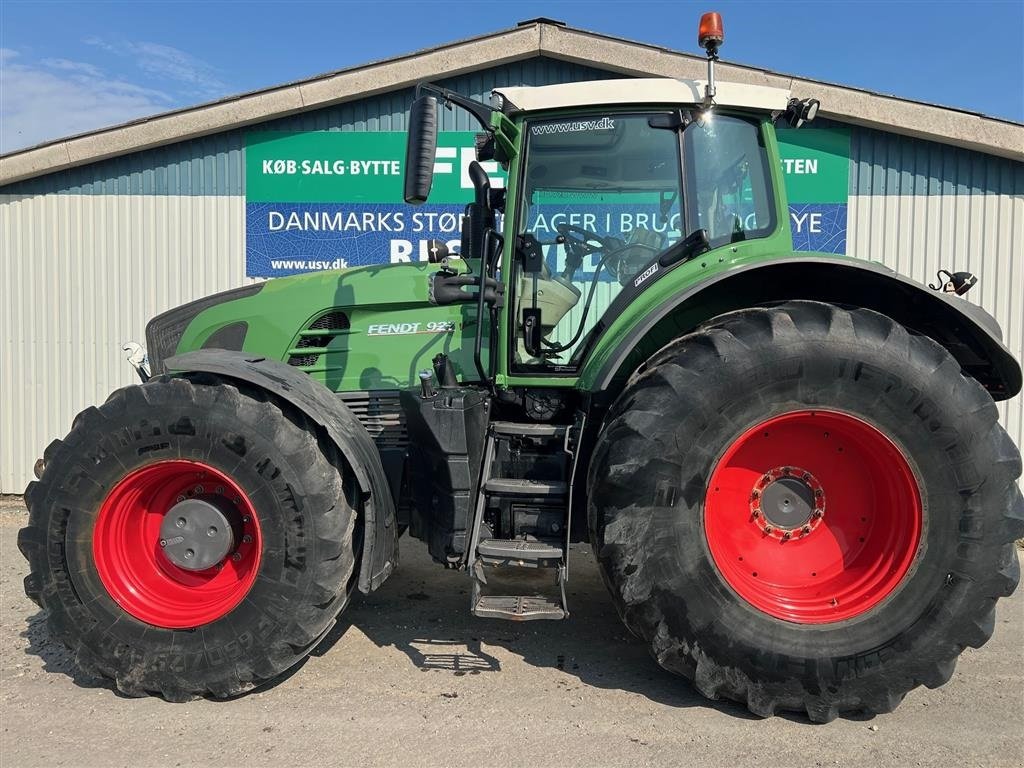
<point x="650" y="90"/>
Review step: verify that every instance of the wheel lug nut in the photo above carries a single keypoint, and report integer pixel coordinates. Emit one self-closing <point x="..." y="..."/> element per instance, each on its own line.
<point x="189" y="554"/>
<point x="180" y="498"/>
<point x="198" y="489"/>
<point x="756" y="512"/>
<point x="768" y="529"/>
<point x="806" y="529"/>
<point x="817" y="513"/>
<point x="246" y="539"/>
<point x="819" y="493"/>
<point x="180" y="522"/>
<point x="237" y="556"/>
<point x="245" y="519"/>
<point x="219" y="490"/>
<point x="786" y="536"/>
<point x="211" y="531"/>
<point x="755" y="495"/>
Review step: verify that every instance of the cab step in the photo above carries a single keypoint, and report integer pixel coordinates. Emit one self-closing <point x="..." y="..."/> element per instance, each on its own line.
<point x="510" y="486"/>
<point x="549" y="500"/>
<point x="518" y="607"/>
<point x="519" y="552"/>
<point x="528" y="429"/>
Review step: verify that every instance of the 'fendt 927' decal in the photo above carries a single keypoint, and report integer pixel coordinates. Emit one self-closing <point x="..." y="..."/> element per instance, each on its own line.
<point x="408" y="329"/>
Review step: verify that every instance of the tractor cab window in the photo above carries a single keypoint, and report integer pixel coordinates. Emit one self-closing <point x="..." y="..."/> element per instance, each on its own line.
<point x="602" y="198"/>
<point x="731" y="197"/>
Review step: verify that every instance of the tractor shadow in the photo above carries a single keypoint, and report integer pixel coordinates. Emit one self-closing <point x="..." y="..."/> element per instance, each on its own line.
<point x="423" y="611"/>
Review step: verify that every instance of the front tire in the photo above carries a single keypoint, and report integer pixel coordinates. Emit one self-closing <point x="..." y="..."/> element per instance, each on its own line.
<point x="119" y="571"/>
<point x="806" y="508"/>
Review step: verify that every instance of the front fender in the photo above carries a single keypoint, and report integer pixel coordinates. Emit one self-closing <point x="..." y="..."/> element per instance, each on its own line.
<point x="970" y="334"/>
<point x="380" y="545"/>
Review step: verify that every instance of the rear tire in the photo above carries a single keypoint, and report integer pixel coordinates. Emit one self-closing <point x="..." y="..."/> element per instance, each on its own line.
<point x="113" y="598"/>
<point x="915" y="590"/>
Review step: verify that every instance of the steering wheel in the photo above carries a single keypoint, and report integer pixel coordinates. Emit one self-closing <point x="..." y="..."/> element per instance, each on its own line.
<point x="580" y="243"/>
<point x="585" y="238"/>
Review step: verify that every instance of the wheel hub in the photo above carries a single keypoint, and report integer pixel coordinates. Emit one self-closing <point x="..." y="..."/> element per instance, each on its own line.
<point x="787" y="502"/>
<point x="196" y="534"/>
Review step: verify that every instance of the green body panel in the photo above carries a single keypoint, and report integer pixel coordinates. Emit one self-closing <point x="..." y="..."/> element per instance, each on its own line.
<point x="394" y="331"/>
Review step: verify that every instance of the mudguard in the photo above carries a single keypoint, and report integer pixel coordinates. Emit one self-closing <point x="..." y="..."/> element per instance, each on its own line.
<point x="380" y="532"/>
<point x="971" y="335"/>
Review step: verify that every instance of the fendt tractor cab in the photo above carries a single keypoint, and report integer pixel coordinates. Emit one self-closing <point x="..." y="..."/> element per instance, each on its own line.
<point x="788" y="464"/>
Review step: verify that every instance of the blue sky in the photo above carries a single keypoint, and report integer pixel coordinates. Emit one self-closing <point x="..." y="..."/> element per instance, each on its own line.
<point x="68" y="67"/>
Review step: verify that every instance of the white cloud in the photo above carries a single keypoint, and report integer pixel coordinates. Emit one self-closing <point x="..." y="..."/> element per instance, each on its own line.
<point x="72" y="66"/>
<point x="59" y="97"/>
<point x="169" y="63"/>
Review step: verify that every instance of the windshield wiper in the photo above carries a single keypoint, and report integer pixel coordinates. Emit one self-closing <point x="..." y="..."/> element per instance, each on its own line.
<point x="692" y="245"/>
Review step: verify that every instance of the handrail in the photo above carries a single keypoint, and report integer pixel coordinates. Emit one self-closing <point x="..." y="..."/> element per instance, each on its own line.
<point x="487" y="269"/>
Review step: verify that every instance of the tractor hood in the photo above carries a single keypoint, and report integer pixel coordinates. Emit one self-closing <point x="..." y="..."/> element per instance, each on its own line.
<point x="358" y="328"/>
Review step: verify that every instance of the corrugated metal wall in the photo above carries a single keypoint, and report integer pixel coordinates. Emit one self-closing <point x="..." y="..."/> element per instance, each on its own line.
<point x="88" y="255"/>
<point x="919" y="207"/>
<point x="81" y="274"/>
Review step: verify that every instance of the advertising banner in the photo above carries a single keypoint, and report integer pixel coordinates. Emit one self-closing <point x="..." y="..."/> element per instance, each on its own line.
<point x="329" y="199"/>
<point x="326" y="200"/>
<point x="816" y="166"/>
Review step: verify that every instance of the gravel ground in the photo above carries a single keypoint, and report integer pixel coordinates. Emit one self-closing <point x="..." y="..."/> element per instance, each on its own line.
<point x="410" y="678"/>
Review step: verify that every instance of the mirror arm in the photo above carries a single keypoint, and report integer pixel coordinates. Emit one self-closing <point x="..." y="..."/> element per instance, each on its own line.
<point x="482" y="112"/>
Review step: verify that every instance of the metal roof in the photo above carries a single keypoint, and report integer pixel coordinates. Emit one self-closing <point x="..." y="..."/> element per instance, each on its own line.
<point x="539" y="37"/>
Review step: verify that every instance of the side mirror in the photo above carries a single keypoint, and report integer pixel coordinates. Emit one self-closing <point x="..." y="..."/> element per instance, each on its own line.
<point x="420" y="149"/>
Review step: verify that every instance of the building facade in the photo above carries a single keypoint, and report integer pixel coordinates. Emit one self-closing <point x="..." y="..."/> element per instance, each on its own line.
<point x="99" y="233"/>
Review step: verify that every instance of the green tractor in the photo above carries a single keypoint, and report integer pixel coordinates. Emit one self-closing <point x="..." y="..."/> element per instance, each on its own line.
<point x="789" y="465"/>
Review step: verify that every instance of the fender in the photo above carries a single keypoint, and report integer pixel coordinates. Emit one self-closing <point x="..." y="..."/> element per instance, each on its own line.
<point x="970" y="334"/>
<point x="380" y="533"/>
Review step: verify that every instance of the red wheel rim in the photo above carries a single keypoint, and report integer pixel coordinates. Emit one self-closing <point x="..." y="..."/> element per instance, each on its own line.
<point x="863" y="524"/>
<point x="135" y="570"/>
